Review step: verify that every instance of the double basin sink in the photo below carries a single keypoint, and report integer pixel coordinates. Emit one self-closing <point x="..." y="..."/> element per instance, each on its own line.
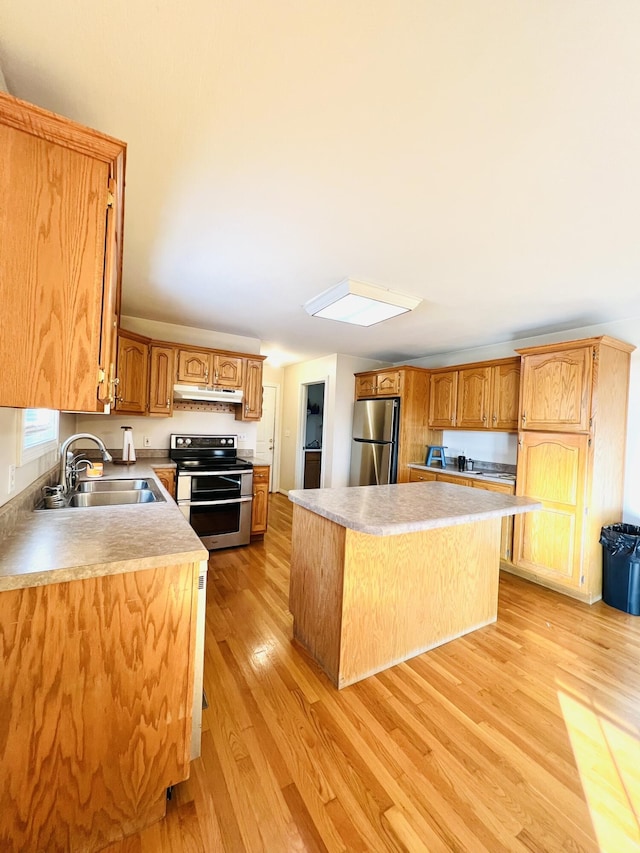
<point x="113" y="493"/>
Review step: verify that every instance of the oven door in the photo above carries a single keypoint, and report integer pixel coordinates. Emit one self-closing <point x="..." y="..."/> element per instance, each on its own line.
<point x="222" y="524"/>
<point x="215" y="485"/>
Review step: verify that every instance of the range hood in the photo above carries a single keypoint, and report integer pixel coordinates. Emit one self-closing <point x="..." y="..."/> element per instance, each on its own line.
<point x="203" y="392"/>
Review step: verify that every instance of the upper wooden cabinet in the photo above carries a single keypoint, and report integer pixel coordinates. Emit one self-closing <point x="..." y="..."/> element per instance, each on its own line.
<point x="228" y="371"/>
<point x="379" y="383"/>
<point x="476" y="396"/>
<point x="251" y="408"/>
<point x="195" y="367"/>
<point x="61" y="220"/>
<point x="556" y="388"/>
<point x="161" y="379"/>
<point x="132" y="392"/>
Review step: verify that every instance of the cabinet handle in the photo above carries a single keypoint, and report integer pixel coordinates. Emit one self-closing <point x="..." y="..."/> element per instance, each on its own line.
<point x="484" y="420"/>
<point x="495" y="417"/>
<point x="206" y="374"/>
<point x="524" y="418"/>
<point x="168" y="403"/>
<point x="453" y="417"/>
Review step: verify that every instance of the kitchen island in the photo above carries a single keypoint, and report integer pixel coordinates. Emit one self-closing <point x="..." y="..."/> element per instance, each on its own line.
<point x="380" y="574"/>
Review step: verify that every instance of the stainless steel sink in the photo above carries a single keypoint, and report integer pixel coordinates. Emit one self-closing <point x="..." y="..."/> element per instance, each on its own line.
<point x="114" y="498"/>
<point x="123" y="485"/>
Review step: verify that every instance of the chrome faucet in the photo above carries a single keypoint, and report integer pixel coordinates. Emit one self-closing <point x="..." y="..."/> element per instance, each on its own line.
<point x="68" y="465"/>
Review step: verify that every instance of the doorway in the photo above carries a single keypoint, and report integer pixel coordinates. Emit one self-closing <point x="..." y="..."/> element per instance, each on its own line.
<point x="313" y="436"/>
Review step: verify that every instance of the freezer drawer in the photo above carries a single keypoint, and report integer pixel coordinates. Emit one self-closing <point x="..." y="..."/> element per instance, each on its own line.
<point x="371" y="464"/>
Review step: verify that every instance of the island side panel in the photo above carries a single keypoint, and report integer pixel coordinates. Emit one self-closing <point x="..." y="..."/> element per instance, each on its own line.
<point x="408" y="593"/>
<point x="315" y="590"/>
<point x="96" y="694"/>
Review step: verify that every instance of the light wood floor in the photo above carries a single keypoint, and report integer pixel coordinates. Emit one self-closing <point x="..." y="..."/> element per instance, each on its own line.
<point x="523" y="736"/>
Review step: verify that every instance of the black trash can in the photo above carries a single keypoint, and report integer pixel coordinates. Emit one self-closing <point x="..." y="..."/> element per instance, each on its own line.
<point x="621" y="567"/>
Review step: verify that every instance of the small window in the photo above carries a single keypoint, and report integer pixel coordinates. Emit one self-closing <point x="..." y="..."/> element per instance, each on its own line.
<point x="39" y="434"/>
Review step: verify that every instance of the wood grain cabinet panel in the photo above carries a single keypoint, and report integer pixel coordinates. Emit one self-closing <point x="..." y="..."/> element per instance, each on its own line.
<point x="417" y="475"/>
<point x="443" y="399"/>
<point x="379" y="383"/>
<point x="473" y="398"/>
<point x="260" y="504"/>
<point x="556" y="390"/>
<point x="61" y="221"/>
<point x="228" y="371"/>
<point x="167" y="477"/>
<point x="506" y="536"/>
<point x="578" y="391"/>
<point x="251" y="408"/>
<point x="96" y="691"/>
<point x="195" y="367"/>
<point x="161" y="379"/>
<point x="133" y="374"/>
<point x="505" y="395"/>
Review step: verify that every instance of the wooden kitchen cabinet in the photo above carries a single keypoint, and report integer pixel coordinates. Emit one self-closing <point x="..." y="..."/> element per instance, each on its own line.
<point x="416" y="475"/>
<point x="378" y="383"/>
<point x="556" y="388"/>
<point x="228" y="371"/>
<point x="195" y="367"/>
<point x="443" y="399"/>
<point x="132" y="391"/>
<point x="161" y="379"/>
<point x="61" y="228"/>
<point x="167" y="477"/>
<point x="482" y="396"/>
<point x="96" y="691"/>
<point x="579" y="390"/>
<point x="506" y="537"/>
<point x="251" y="408"/>
<point x="260" y="505"/>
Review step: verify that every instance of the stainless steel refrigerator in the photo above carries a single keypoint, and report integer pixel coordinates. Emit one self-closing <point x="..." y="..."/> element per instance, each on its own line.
<point x="374" y="445"/>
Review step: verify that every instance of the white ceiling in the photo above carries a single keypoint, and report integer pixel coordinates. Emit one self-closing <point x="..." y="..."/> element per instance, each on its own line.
<point x="480" y="154"/>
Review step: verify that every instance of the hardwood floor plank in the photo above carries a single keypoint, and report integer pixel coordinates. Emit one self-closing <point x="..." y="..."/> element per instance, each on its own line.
<point x="523" y="736"/>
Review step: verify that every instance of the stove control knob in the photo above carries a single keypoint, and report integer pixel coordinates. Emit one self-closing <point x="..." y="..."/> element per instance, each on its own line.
<point x="223" y="441"/>
<point x="187" y="441"/>
<point x="179" y="441"/>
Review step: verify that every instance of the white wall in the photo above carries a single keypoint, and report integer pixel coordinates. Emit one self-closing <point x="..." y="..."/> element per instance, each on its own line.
<point x="189" y="335"/>
<point x="625" y="330"/>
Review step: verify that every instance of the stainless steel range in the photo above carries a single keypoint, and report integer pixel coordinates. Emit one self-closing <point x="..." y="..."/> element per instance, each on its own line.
<point x="215" y="488"/>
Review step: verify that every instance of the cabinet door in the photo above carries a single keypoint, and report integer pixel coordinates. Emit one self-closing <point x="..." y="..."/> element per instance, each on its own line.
<point x="416" y="475"/>
<point x="452" y="478"/>
<point x="260" y="504"/>
<point x="442" y="399"/>
<point x="133" y="376"/>
<point x="227" y="371"/>
<point x="505" y="394"/>
<point x="194" y="367"/>
<point x="162" y="371"/>
<point x="388" y="384"/>
<point x="167" y="477"/>
<point x="365" y="385"/>
<point x="473" y="401"/>
<point x="56" y="181"/>
<point x="552" y="469"/>
<point x="506" y="538"/>
<point x="556" y="390"/>
<point x="251" y="408"/>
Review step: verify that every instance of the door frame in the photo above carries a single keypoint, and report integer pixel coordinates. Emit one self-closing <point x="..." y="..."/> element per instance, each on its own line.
<point x="302" y="430"/>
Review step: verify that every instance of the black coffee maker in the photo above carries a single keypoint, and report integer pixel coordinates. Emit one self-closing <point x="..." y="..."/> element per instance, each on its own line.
<point x="462" y="463"/>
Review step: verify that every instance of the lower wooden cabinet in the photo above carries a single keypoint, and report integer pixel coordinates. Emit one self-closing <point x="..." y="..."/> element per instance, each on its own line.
<point x="167" y="477"/>
<point x="416" y="475"/>
<point x="260" y="505"/>
<point x="96" y="705"/>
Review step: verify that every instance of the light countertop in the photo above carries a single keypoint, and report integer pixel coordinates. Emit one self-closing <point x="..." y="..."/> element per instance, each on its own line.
<point x="494" y="476"/>
<point x="408" y="507"/>
<point x="53" y="546"/>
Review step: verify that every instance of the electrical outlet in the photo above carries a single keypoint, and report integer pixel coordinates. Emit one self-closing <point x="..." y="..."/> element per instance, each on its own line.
<point x="242" y="436"/>
<point x="11" y="485"/>
<point x="146" y="441"/>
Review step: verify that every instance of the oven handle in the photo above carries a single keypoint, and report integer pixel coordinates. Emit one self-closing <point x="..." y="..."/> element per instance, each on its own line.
<point x="220" y="473"/>
<point x="215" y="503"/>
